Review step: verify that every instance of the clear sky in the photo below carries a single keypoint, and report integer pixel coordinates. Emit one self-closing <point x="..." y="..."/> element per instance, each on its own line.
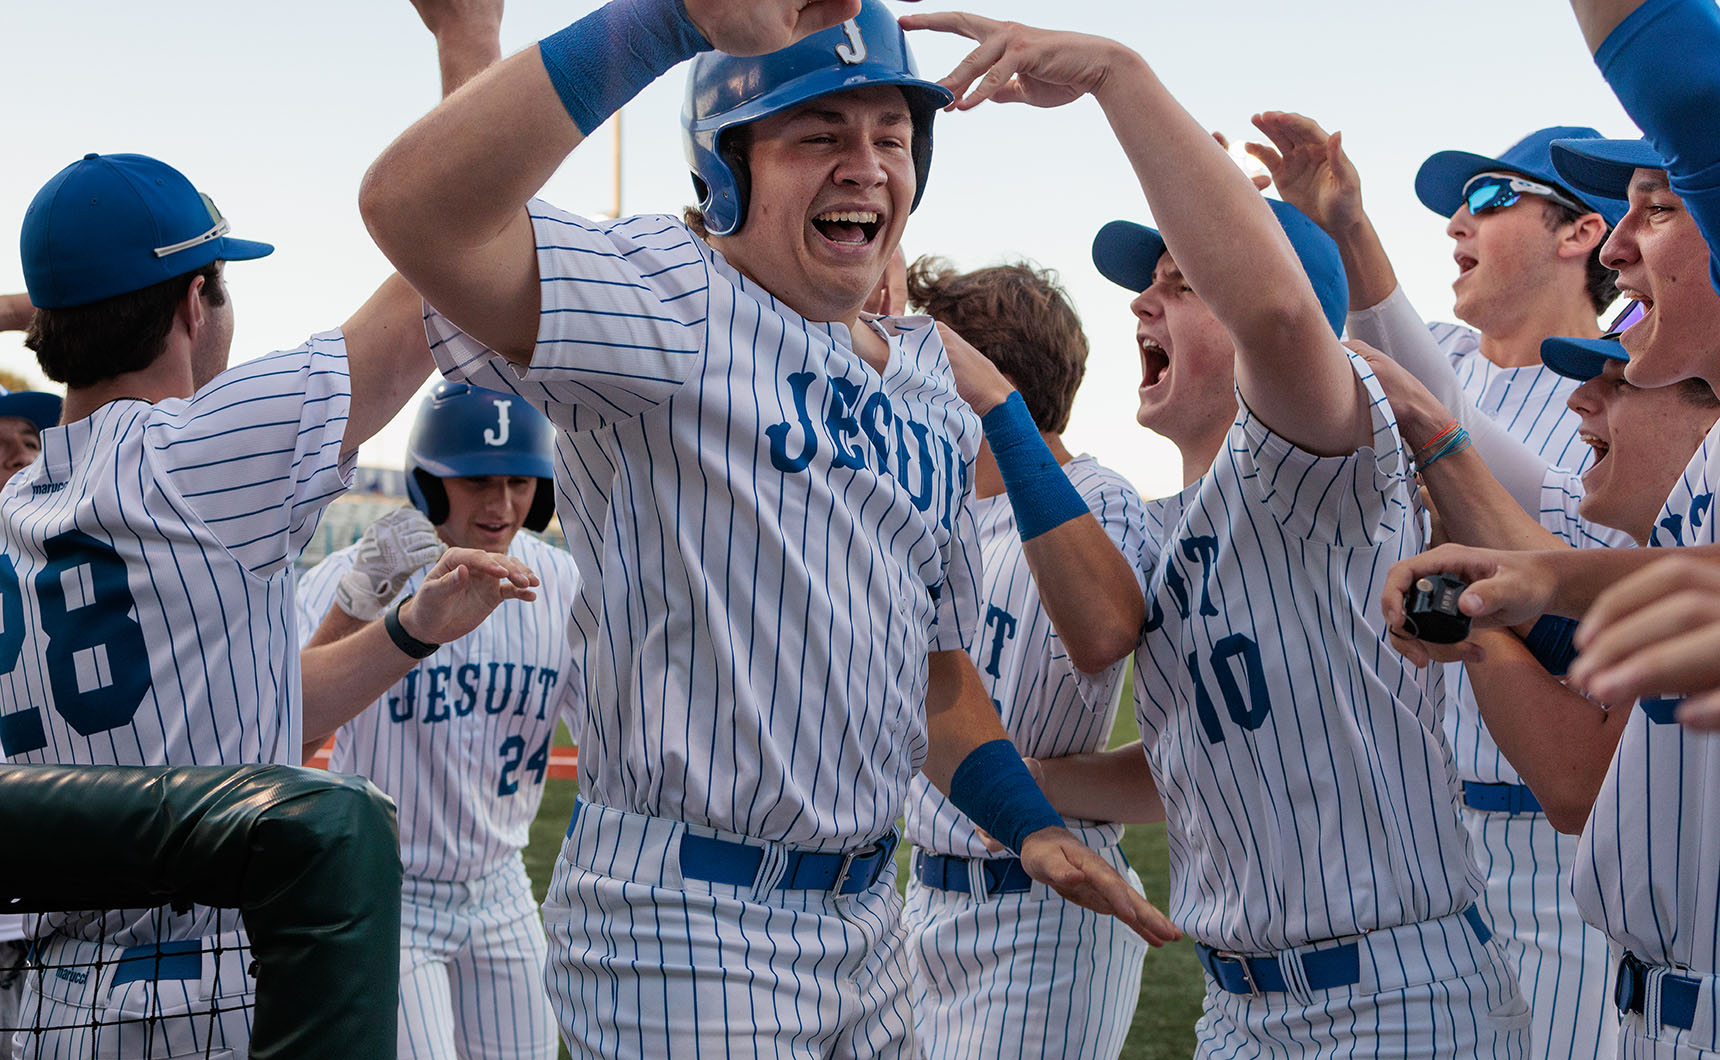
<point x="275" y="110"/>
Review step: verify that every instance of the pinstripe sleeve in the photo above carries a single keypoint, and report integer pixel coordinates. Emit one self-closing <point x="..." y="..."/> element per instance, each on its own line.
<point x="621" y="319"/>
<point x="256" y="453"/>
<point x="316" y="590"/>
<point x="1350" y="501"/>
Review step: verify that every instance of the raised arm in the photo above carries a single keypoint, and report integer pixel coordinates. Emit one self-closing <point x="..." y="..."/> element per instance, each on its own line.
<point x="446" y="201"/>
<point x="1598" y="18"/>
<point x="1224" y="238"/>
<point x="1662" y="59"/>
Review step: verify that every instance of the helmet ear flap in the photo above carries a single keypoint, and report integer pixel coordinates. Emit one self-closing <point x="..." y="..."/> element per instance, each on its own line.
<point x="732" y="149"/>
<point x="543" y="506"/>
<point x="431" y="498"/>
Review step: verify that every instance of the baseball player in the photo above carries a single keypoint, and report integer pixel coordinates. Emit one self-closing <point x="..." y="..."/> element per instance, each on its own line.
<point x="462" y="740"/>
<point x="1527" y="248"/>
<point x="1050" y="657"/>
<point x="1298" y="761"/>
<point x="1640" y="875"/>
<point x="767" y="500"/>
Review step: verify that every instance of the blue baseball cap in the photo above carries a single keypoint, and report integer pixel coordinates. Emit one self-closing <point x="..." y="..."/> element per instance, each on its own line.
<point x="111" y="224"/>
<point x="1603" y="167"/>
<point x="1582" y="359"/>
<point x="1126" y="254"/>
<point x="39" y="408"/>
<point x="1440" y="181"/>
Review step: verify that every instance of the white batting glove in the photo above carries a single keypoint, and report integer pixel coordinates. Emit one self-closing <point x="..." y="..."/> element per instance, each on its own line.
<point x="393" y="547"/>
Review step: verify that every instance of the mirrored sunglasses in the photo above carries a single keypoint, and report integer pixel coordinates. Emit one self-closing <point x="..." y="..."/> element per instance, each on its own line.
<point x="1495" y="191"/>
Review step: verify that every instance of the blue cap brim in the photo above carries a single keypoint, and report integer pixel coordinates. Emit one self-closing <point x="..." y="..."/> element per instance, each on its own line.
<point x="1440" y="180"/>
<point x="241" y="249"/>
<point x="1603" y="167"/>
<point x="39" y="408"/>
<point x="1126" y="254"/>
<point x="1581" y="359"/>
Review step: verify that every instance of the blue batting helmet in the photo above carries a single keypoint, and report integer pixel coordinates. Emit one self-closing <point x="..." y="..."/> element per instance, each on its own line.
<point x="724" y="92"/>
<point x="464" y="431"/>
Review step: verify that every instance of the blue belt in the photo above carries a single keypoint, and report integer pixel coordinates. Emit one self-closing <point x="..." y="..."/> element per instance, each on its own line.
<point x="160" y="960"/>
<point x="1500" y="798"/>
<point x="726" y="861"/>
<point x="946" y="872"/>
<point x="1678" y="993"/>
<point x="1324" y="967"/>
<point x="736" y="863"/>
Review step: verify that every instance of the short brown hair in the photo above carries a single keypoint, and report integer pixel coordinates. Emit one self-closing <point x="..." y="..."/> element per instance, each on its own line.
<point x="86" y="344"/>
<point x="1020" y="317"/>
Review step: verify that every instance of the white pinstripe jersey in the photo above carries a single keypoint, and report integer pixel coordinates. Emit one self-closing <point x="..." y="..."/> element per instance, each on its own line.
<point x="770" y="535"/>
<point x="1049" y="707"/>
<point x="1529" y="403"/>
<point x="146" y="572"/>
<point x="1648" y="864"/>
<point x="1301" y="761"/>
<point x="462" y="742"/>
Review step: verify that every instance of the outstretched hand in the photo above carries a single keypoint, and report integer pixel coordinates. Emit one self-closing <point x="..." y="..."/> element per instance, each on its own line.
<point x="1054" y="857"/>
<point x="755" y="27"/>
<point x="1310" y="168"/>
<point x="464" y="587"/>
<point x="1020" y="64"/>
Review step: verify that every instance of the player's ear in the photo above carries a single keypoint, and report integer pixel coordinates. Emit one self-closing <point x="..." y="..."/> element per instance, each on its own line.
<point x="1583" y="235"/>
<point x="191" y="311"/>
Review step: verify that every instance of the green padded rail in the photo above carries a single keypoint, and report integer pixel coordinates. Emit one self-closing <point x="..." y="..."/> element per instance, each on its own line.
<point x="311" y="859"/>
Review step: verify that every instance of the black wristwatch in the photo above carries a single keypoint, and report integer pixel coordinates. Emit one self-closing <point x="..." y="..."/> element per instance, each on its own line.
<point x="403" y="640"/>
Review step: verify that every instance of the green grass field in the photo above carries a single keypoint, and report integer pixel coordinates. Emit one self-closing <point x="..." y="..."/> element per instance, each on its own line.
<point x="1170" y="984"/>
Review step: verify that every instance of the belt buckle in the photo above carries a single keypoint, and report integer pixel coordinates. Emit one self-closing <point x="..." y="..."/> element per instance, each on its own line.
<point x="847" y="867"/>
<point x="1247" y="972"/>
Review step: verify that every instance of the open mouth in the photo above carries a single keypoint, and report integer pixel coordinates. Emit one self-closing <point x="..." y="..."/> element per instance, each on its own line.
<point x="1465" y="263"/>
<point x="1598" y="448"/>
<point x="854" y="228"/>
<point x="1155" y="362"/>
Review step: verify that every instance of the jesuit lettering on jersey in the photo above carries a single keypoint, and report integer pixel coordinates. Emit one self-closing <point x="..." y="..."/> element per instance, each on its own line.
<point x="866" y="434"/>
<point x="1186" y="593"/>
<point x="438" y="693"/>
<point x="1676" y="529"/>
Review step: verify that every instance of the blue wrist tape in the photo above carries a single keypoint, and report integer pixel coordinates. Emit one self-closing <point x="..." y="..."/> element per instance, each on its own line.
<point x="1039" y="491"/>
<point x="993" y="787"/>
<point x="1550" y="643"/>
<point x="603" y="60"/>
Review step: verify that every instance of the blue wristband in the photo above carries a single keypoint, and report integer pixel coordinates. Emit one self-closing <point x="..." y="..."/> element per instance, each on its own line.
<point x="603" y="60"/>
<point x="993" y="787"/>
<point x="1550" y="643"/>
<point x="1039" y="491"/>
